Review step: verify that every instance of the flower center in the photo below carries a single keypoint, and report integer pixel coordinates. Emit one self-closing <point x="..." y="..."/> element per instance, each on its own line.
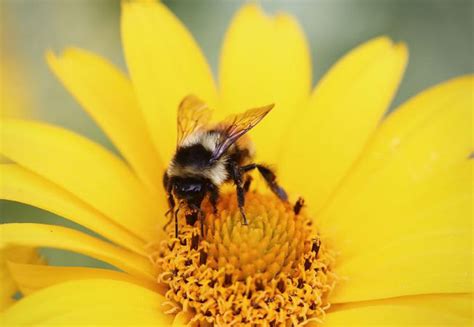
<point x="272" y="271"/>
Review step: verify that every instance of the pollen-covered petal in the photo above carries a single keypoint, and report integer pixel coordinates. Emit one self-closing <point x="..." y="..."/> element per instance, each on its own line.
<point x="421" y="310"/>
<point x="9" y="286"/>
<point x="265" y="60"/>
<point x="41" y="235"/>
<point x="108" y="96"/>
<point x="90" y="302"/>
<point x="344" y="110"/>
<point x="411" y="196"/>
<point x="21" y="185"/>
<point x="86" y="170"/>
<point x="31" y="278"/>
<point x="165" y="65"/>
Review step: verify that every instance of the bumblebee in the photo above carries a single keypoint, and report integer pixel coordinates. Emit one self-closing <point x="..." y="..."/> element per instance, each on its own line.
<point x="209" y="155"/>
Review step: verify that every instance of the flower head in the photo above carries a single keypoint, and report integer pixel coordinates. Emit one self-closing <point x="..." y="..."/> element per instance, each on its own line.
<point x="270" y="271"/>
<point x="384" y="236"/>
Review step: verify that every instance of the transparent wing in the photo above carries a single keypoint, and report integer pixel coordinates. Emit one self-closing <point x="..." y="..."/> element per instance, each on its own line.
<point x="193" y="114"/>
<point x="235" y="126"/>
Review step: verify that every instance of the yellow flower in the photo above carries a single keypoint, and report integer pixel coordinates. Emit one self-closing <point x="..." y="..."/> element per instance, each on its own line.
<point x="385" y="238"/>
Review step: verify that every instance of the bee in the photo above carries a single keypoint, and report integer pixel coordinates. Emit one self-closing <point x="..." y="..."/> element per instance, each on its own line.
<point x="210" y="155"/>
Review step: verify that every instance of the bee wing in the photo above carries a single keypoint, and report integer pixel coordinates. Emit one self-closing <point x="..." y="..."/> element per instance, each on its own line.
<point x="233" y="127"/>
<point x="193" y="114"/>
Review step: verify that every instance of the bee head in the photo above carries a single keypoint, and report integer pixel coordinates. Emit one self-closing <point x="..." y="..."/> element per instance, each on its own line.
<point x="191" y="190"/>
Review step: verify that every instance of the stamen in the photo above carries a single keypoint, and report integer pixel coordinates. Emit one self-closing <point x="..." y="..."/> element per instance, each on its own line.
<point x="272" y="271"/>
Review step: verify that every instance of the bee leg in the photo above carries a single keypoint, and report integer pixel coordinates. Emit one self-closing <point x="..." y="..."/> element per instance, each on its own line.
<point x="241" y="202"/>
<point x="248" y="181"/>
<point x="270" y="178"/>
<point x="213" y="196"/>
<point x="237" y="178"/>
<point x="198" y="213"/>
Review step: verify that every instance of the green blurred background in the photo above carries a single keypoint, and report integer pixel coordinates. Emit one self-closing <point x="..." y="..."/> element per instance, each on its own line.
<point x="439" y="34"/>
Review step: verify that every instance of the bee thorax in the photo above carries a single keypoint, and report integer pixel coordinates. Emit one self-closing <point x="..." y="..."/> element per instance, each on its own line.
<point x="194" y="161"/>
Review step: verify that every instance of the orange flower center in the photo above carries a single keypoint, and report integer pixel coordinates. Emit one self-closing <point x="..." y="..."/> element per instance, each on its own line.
<point x="272" y="271"/>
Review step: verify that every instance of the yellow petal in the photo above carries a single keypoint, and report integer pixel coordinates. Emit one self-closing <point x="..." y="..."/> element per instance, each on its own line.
<point x="41" y="235"/>
<point x="90" y="302"/>
<point x="426" y="138"/>
<point x="9" y="286"/>
<point x="87" y="171"/>
<point x="421" y="238"/>
<point x="413" y="181"/>
<point x="165" y="65"/>
<point x="440" y="202"/>
<point x="31" y="278"/>
<point x="425" y="263"/>
<point x="344" y="111"/>
<point x="20" y="185"/>
<point x="108" y="96"/>
<point x="265" y="60"/>
<point x="423" y="310"/>
<point x="8" y="289"/>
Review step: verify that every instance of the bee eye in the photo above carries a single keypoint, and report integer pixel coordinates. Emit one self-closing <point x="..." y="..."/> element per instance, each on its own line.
<point x="188" y="187"/>
<point x="192" y="188"/>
